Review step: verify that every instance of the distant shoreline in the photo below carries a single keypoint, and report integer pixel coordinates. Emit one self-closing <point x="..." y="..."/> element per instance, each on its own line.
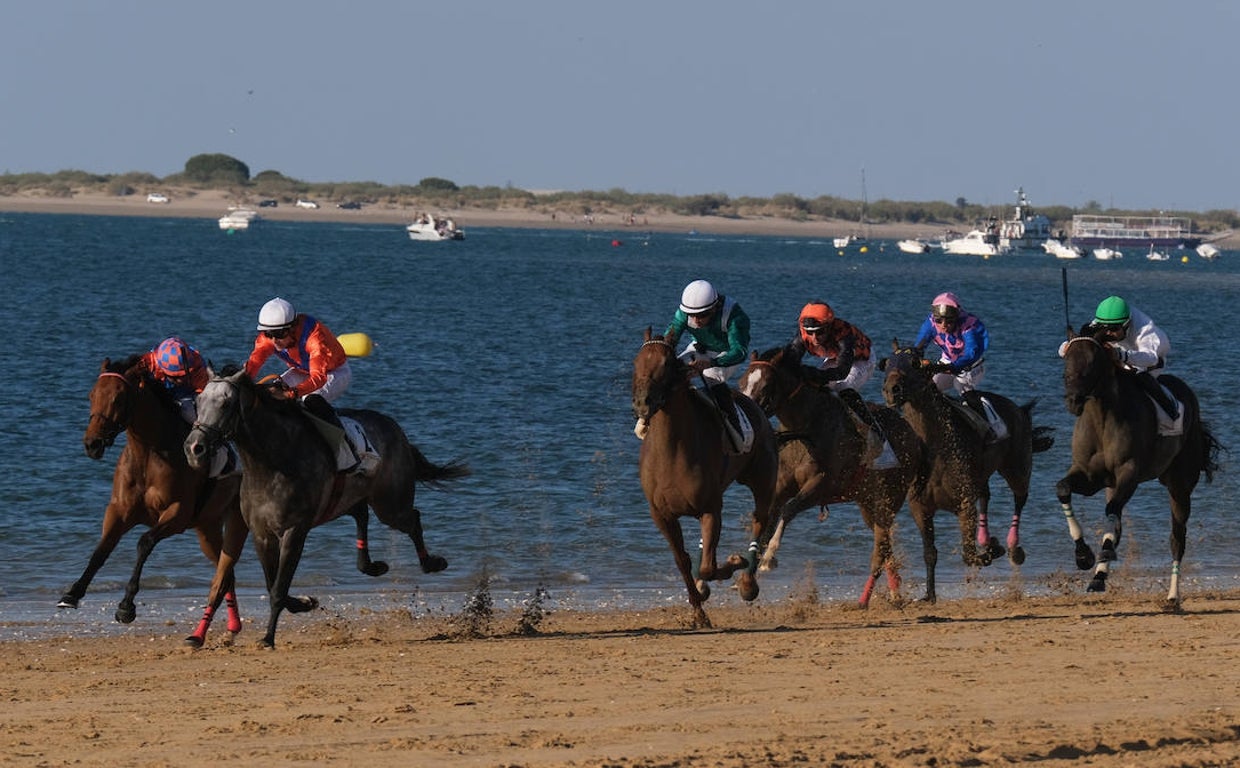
<point x="211" y="204"/>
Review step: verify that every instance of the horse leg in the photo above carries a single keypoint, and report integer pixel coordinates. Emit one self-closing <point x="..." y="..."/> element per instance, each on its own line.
<point x="768" y="561"/>
<point x="1181" y="508"/>
<point x="880" y="560"/>
<point x="670" y="528"/>
<point x="1016" y="553"/>
<point x="989" y="544"/>
<point x="223" y="585"/>
<point x="966" y="517"/>
<point x="923" y="517"/>
<point x="126" y="612"/>
<point x="1076" y="482"/>
<point x="114" y="527"/>
<point x="287" y="551"/>
<point x="361" y="515"/>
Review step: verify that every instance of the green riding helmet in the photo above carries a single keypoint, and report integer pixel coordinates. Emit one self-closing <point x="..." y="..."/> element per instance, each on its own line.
<point x="1112" y="311"/>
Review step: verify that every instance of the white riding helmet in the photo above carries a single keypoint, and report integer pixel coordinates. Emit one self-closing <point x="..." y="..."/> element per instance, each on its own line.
<point x="698" y="297"/>
<point x="276" y="313"/>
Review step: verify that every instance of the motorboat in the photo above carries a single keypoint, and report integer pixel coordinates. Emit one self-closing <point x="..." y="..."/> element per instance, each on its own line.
<point x="1107" y="254"/>
<point x="913" y="246"/>
<point x="434" y="228"/>
<point x="237" y="218"/>
<point x="1026" y="230"/>
<point x="1154" y="255"/>
<point x="975" y="242"/>
<point x="1060" y="251"/>
<point x="844" y="242"/>
<point x="1207" y="251"/>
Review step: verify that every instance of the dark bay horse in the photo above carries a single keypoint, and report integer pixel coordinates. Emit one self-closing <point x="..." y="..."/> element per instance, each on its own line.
<point x="961" y="461"/>
<point x="685" y="468"/>
<point x="152" y="484"/>
<point x="1116" y="445"/>
<point x="290" y="483"/>
<point x="823" y="458"/>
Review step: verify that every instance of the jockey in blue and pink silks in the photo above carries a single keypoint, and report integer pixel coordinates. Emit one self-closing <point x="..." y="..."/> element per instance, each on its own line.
<point x="961" y="338"/>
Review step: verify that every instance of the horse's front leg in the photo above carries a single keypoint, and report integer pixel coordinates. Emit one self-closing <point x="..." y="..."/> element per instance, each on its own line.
<point x="966" y="517"/>
<point x="1181" y="508"/>
<point x="115" y="525"/>
<point x="169" y="523"/>
<point x="923" y="517"/>
<point x="670" y="528"/>
<point x="291" y="544"/>
<point x="1078" y="482"/>
<point x="361" y="517"/>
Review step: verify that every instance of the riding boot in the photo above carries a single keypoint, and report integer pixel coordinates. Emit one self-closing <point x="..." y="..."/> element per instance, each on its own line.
<point x="318" y="406"/>
<point x="980" y="421"/>
<point x="721" y="393"/>
<point x="346" y="455"/>
<point x="1155" y="390"/>
<point x="852" y="398"/>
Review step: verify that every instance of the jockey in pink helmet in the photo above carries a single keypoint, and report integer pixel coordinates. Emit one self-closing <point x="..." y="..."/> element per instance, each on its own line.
<point x="962" y="341"/>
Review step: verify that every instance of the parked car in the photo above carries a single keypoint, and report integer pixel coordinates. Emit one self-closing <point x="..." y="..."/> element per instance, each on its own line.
<point x="307" y="204"/>
<point x="156" y="197"/>
<point x="268" y="203"/>
<point x="352" y="205"/>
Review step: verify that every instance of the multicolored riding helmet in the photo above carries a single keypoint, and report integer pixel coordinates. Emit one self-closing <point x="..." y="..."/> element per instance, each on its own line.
<point x="175" y="358"/>
<point x="945" y="305"/>
<point x="815" y="316"/>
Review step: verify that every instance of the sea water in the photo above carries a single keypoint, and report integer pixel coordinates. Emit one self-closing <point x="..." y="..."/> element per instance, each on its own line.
<point x="512" y="351"/>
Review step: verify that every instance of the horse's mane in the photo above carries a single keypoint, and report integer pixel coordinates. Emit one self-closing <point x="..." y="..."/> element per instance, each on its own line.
<point x="122" y="365"/>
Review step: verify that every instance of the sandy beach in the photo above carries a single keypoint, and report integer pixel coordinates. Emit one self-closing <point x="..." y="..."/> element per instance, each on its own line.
<point x="1100" y="680"/>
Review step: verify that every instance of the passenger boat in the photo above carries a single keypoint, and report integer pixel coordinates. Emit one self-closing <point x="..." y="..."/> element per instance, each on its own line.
<point x="1026" y="230"/>
<point x="977" y="242"/>
<point x="429" y="227"/>
<point x="1089" y="231"/>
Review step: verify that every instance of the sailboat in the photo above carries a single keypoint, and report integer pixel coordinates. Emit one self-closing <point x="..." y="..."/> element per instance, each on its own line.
<point x="856" y="237"/>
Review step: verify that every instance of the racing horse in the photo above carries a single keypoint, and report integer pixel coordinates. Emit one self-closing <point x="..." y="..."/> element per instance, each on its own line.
<point x="290" y="483"/>
<point x="153" y="485"/>
<point x="824" y="458"/>
<point x="685" y="466"/>
<point x="961" y="460"/>
<point x="1117" y="445"/>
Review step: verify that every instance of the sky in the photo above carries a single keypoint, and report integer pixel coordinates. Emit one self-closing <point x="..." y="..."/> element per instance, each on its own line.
<point x="1126" y="103"/>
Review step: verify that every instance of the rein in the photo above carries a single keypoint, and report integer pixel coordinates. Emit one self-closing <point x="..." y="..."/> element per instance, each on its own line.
<point x="120" y="376"/>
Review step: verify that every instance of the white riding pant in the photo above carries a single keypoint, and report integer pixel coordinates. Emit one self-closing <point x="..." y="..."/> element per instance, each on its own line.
<point x="337" y="381"/>
<point x="963" y="381"/>
<point x="858" y="375"/>
<point x="714" y="375"/>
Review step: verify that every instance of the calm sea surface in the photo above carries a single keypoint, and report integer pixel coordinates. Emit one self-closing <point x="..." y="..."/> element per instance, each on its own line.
<point x="512" y="350"/>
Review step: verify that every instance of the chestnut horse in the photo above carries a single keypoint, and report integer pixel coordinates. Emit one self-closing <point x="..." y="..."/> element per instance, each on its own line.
<point x="290" y="483"/>
<point x="685" y="465"/>
<point x="1117" y="445"/>
<point x="153" y="485"/>
<point x="961" y="461"/>
<point x="823" y="458"/>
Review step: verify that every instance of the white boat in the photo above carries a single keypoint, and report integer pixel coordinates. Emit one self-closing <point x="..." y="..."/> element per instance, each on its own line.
<point x="863" y="226"/>
<point x="913" y="246"/>
<point x="1061" y="251"/>
<point x="1107" y="254"/>
<point x="844" y="242"/>
<point x="432" y="228"/>
<point x="1207" y="251"/>
<point x="237" y="218"/>
<point x="1154" y="255"/>
<point x="1025" y="231"/>
<point x="976" y="242"/>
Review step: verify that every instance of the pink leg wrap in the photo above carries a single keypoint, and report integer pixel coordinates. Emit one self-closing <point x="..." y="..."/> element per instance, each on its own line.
<point x="865" y="593"/>
<point x="200" y="634"/>
<point x="234" y="616"/>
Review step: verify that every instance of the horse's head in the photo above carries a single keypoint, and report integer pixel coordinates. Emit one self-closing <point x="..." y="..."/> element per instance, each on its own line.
<point x="772" y="377"/>
<point x="111" y="404"/>
<point x="221" y="404"/>
<point x="656" y="373"/>
<point x="908" y="375"/>
<point x="1085" y="363"/>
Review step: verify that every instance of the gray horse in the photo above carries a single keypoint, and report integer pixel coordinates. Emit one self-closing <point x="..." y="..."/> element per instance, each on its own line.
<point x="291" y="485"/>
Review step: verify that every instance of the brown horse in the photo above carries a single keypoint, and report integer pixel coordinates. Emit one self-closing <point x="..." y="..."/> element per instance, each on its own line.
<point x="685" y="466"/>
<point x="154" y="486"/>
<point x="290" y="483"/>
<point x="824" y="458"/>
<point x="961" y="461"/>
<point x="1117" y="445"/>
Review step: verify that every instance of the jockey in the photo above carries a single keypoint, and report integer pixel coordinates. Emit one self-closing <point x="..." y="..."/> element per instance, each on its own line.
<point x="182" y="371"/>
<point x="317" y="364"/>
<point x="1136" y="344"/>
<point x="720" y="331"/>
<point x="962" y="340"/>
<point x="845" y="351"/>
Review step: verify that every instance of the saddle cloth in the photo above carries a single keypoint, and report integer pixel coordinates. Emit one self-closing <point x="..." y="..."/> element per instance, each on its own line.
<point x="997" y="425"/>
<point x="746" y="436"/>
<point x="878" y="453"/>
<point x="1166" y="426"/>
<point x="354" y="451"/>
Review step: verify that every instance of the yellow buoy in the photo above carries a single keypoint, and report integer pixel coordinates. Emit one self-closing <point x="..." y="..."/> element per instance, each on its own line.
<point x="864" y="249"/>
<point x="1183" y="259"/>
<point x="356" y="344"/>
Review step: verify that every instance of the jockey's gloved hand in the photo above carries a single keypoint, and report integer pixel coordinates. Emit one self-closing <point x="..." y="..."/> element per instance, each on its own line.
<point x="1120" y="355"/>
<point x="937" y="368"/>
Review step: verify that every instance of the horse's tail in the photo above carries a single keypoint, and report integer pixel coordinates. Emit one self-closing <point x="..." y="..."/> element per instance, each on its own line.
<point x="1043" y="438"/>
<point x="432" y="474"/>
<point x="1210" y="451"/>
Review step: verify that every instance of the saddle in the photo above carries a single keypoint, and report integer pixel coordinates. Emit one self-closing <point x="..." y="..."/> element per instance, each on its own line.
<point x="982" y="416"/>
<point x="735" y="444"/>
<point x="354" y="452"/>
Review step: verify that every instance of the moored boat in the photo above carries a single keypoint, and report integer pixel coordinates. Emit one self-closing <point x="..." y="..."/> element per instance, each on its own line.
<point x="1026" y="230"/>
<point x="1107" y="254"/>
<point x="1061" y="251"/>
<point x="913" y="246"/>
<point x="237" y="218"/>
<point x="976" y="242"/>
<point x="1207" y="251"/>
<point x="1089" y="231"/>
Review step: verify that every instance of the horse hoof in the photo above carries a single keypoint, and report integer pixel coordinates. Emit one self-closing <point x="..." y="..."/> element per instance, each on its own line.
<point x="1098" y="583"/>
<point x="377" y="568"/>
<point x="1084" y="556"/>
<point x="434" y="564"/>
<point x="126" y="615"/>
<point x="747" y="585"/>
<point x="995" y="549"/>
<point x="68" y="601"/>
<point x="300" y="604"/>
<point x="704" y="590"/>
<point x="1017" y="555"/>
<point x="193" y="642"/>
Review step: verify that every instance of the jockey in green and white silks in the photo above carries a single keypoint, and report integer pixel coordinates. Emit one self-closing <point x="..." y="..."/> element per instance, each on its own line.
<point x="720" y="331"/>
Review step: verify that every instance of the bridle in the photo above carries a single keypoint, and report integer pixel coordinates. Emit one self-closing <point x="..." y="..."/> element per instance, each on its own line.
<point x="112" y="429"/>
